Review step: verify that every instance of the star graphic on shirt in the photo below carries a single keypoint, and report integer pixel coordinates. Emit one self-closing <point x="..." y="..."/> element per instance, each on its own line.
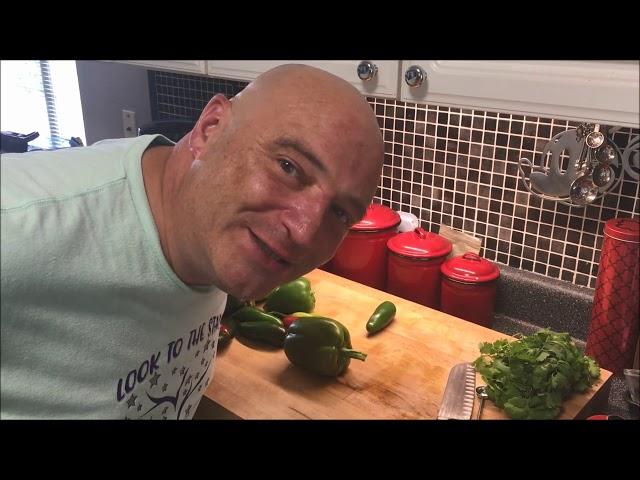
<point x="197" y="375"/>
<point x="197" y="353"/>
<point x="188" y="409"/>
<point x="164" y="387"/>
<point x="202" y="361"/>
<point x="182" y="370"/>
<point x="206" y="345"/>
<point x="199" y="387"/>
<point x="132" y="401"/>
<point x="182" y="393"/>
<point x="188" y="378"/>
<point x="175" y="369"/>
<point x="139" y="406"/>
<point x="164" y="410"/>
<point x="154" y="380"/>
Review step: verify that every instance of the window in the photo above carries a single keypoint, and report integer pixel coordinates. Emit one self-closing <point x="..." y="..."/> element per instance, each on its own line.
<point x="41" y="96"/>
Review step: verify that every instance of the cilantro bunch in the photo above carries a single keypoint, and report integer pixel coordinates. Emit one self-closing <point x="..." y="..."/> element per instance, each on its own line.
<point x="530" y="377"/>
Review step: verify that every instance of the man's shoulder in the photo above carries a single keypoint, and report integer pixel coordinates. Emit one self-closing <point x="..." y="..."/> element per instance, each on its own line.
<point x="41" y="176"/>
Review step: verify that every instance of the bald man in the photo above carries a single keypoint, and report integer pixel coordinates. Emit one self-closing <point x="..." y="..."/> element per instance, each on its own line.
<point x="117" y="258"/>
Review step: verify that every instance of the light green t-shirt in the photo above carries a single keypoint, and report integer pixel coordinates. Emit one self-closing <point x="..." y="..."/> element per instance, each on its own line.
<point x="95" y="323"/>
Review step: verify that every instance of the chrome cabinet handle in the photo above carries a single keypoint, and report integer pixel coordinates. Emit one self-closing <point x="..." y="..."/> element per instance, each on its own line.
<point x="367" y="70"/>
<point x="414" y="76"/>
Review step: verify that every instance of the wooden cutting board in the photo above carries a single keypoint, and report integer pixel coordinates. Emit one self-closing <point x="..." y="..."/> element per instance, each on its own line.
<point x="403" y="377"/>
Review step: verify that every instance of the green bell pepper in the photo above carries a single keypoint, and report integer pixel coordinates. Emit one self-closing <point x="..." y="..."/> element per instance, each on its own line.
<point x="321" y="345"/>
<point x="295" y="296"/>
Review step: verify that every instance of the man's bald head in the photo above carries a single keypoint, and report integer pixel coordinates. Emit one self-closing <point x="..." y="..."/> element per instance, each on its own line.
<point x="312" y="89"/>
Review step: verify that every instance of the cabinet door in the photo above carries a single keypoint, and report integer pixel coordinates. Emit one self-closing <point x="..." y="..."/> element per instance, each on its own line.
<point x="383" y="84"/>
<point x="597" y="91"/>
<point x="191" y="66"/>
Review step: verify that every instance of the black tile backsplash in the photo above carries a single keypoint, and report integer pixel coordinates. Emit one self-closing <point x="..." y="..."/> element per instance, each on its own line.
<point x="459" y="167"/>
<point x="175" y="95"/>
<point x="482" y="149"/>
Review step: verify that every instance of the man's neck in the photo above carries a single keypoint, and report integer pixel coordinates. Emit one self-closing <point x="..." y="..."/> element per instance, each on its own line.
<point x="157" y="166"/>
<point x="163" y="170"/>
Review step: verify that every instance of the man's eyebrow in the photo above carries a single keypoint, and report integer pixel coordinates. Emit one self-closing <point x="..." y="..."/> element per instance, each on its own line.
<point x="302" y="149"/>
<point x="298" y="146"/>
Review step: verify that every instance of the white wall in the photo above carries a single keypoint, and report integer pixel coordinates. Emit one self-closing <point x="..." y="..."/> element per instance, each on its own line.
<point x="106" y="88"/>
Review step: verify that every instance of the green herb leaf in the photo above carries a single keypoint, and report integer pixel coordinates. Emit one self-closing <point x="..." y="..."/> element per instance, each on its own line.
<point x="530" y="377"/>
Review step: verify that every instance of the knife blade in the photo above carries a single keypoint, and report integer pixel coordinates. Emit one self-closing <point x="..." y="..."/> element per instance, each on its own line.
<point x="459" y="394"/>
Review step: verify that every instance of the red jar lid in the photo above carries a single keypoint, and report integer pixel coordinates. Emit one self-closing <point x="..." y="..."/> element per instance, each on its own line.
<point x="470" y="268"/>
<point x="626" y="229"/>
<point x="419" y="244"/>
<point x="378" y="217"/>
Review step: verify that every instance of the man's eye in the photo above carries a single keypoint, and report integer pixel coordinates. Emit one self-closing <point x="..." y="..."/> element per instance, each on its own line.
<point x="288" y="167"/>
<point x="342" y="215"/>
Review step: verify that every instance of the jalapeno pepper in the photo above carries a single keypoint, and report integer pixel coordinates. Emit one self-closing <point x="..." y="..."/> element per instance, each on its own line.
<point x="262" y="331"/>
<point x="321" y="345"/>
<point x="381" y="317"/>
<point x="295" y="296"/>
<point x="253" y="314"/>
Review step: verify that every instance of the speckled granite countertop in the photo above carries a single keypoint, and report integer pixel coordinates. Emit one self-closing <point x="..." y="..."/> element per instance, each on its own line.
<point x="527" y="302"/>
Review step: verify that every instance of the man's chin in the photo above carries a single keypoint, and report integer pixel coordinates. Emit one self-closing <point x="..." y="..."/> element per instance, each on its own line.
<point x="248" y="290"/>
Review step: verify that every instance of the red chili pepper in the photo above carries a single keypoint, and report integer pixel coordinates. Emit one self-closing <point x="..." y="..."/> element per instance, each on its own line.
<point x="288" y="320"/>
<point x="224" y="337"/>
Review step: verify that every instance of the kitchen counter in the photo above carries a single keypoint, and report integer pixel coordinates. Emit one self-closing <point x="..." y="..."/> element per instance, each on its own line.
<point x="535" y="299"/>
<point x="403" y="377"/>
<point x="527" y="302"/>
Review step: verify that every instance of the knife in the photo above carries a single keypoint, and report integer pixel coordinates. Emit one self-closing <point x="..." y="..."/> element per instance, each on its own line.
<point x="457" y="403"/>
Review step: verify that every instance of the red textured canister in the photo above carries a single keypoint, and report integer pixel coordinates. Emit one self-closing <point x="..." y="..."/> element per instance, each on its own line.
<point x="413" y="266"/>
<point x="362" y="255"/>
<point x="468" y="288"/>
<point x="613" y="330"/>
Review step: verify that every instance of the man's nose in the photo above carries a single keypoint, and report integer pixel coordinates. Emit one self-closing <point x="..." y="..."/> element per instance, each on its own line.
<point x="305" y="217"/>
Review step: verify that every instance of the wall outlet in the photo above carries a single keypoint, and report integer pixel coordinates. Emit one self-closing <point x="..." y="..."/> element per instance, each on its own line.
<point x="129" y="127"/>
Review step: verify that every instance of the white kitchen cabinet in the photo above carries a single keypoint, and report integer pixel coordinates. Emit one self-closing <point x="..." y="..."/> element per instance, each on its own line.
<point x="189" y="66"/>
<point x="383" y="84"/>
<point x="596" y="91"/>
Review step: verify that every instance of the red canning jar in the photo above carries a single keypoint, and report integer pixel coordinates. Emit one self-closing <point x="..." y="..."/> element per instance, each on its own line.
<point x="468" y="288"/>
<point x="413" y="266"/>
<point x="362" y="255"/>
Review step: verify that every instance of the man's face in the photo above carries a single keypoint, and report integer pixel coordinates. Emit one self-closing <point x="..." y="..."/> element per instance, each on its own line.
<point x="274" y="196"/>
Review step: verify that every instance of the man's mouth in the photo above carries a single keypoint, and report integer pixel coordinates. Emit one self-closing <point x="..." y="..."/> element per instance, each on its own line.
<point x="268" y="251"/>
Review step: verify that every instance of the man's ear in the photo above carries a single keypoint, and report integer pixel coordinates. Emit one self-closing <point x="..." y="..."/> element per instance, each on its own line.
<point x="211" y="123"/>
